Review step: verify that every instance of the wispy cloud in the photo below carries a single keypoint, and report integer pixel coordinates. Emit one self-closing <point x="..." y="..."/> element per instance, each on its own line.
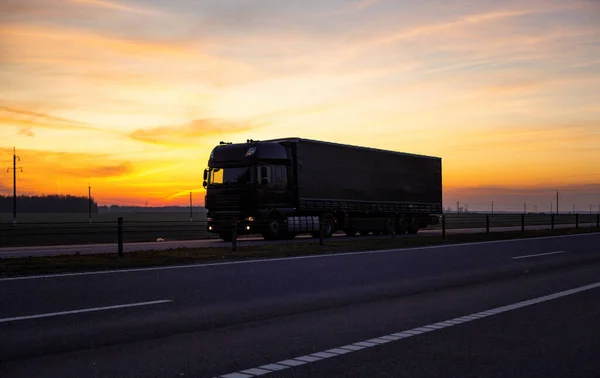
<point x="189" y="134"/>
<point x="27" y="120"/>
<point x="121" y="6"/>
<point x="41" y="36"/>
<point x="69" y="171"/>
<point x="364" y="4"/>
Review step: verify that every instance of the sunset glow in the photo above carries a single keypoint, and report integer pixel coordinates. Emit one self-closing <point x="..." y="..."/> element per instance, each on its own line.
<point x="130" y="96"/>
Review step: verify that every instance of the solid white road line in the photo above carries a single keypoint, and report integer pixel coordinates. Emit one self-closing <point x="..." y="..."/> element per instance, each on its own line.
<point x="370" y="343"/>
<point x="258" y="261"/>
<point x="93" y="309"/>
<point x="536" y="255"/>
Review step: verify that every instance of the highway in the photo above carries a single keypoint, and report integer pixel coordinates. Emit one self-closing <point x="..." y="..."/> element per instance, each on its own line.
<point x="512" y="308"/>
<point x="205" y="243"/>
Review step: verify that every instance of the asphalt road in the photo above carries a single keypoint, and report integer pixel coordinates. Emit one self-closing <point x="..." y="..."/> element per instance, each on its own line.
<point x="221" y="319"/>
<point x="205" y="243"/>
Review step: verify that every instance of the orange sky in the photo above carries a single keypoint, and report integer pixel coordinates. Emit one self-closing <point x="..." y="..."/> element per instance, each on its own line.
<point x="130" y="96"/>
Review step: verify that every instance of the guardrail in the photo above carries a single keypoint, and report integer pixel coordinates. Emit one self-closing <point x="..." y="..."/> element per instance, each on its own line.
<point x="127" y="231"/>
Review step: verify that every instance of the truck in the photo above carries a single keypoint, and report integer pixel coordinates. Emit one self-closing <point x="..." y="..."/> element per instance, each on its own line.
<point x="280" y="188"/>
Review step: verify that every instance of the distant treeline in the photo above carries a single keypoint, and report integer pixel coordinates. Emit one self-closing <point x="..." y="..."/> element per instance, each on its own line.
<point x="47" y="204"/>
<point x="145" y="209"/>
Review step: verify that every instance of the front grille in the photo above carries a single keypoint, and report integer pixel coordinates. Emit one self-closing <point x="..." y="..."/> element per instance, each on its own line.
<point x="219" y="202"/>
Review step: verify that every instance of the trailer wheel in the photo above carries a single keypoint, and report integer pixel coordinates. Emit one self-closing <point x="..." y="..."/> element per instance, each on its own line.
<point x="328" y="225"/>
<point x="413" y="226"/>
<point x="400" y="226"/>
<point x="389" y="226"/>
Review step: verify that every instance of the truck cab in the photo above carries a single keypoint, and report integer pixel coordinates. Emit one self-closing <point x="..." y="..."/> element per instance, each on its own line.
<point x="246" y="183"/>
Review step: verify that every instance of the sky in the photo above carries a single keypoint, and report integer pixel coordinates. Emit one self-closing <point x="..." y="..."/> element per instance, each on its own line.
<point x="129" y="97"/>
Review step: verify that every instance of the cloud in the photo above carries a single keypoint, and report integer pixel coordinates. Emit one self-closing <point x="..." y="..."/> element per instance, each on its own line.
<point x="69" y="164"/>
<point x="27" y="120"/>
<point x="26" y="131"/>
<point x="189" y="134"/>
<point x="364" y="4"/>
<point x="22" y="36"/>
<point x="101" y="171"/>
<point x="117" y="6"/>
<point x="36" y="116"/>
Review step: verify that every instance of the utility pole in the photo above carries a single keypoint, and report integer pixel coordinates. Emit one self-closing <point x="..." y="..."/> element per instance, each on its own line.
<point x="14" y="169"/>
<point x="90" y="203"/>
<point x="458" y="208"/>
<point x="190" y="206"/>
<point x="557" y="202"/>
<point x="492" y="208"/>
<point x="524" y="208"/>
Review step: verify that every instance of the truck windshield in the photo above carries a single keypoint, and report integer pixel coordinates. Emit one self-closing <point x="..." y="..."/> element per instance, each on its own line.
<point x="230" y="176"/>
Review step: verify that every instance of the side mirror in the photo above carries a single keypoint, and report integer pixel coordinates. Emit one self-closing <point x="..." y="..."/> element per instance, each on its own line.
<point x="205" y="174"/>
<point x="205" y="184"/>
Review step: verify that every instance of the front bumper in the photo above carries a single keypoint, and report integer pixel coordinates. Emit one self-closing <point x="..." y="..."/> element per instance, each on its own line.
<point x="222" y="225"/>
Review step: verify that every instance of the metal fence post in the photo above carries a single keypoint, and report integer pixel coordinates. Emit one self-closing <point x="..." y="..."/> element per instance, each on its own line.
<point x="487" y="224"/>
<point x="552" y="222"/>
<point x="522" y="222"/>
<point x="443" y="226"/>
<point x="576" y="220"/>
<point x="234" y="236"/>
<point x="120" y="235"/>
<point x="321" y="233"/>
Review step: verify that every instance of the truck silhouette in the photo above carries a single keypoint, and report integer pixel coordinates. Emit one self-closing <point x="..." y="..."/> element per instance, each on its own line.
<point x="283" y="187"/>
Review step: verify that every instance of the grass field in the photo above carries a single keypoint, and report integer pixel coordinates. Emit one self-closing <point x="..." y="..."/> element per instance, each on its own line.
<point x="25" y="218"/>
<point x="53" y="229"/>
<point x="77" y="263"/>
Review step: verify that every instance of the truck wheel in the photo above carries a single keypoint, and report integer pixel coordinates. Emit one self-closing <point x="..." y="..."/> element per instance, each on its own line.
<point x="226" y="236"/>
<point x="413" y="226"/>
<point x="273" y="230"/>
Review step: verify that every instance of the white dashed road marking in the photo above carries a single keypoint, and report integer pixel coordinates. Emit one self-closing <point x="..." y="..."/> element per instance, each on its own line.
<point x="536" y="255"/>
<point x="303" y="360"/>
<point x="93" y="309"/>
